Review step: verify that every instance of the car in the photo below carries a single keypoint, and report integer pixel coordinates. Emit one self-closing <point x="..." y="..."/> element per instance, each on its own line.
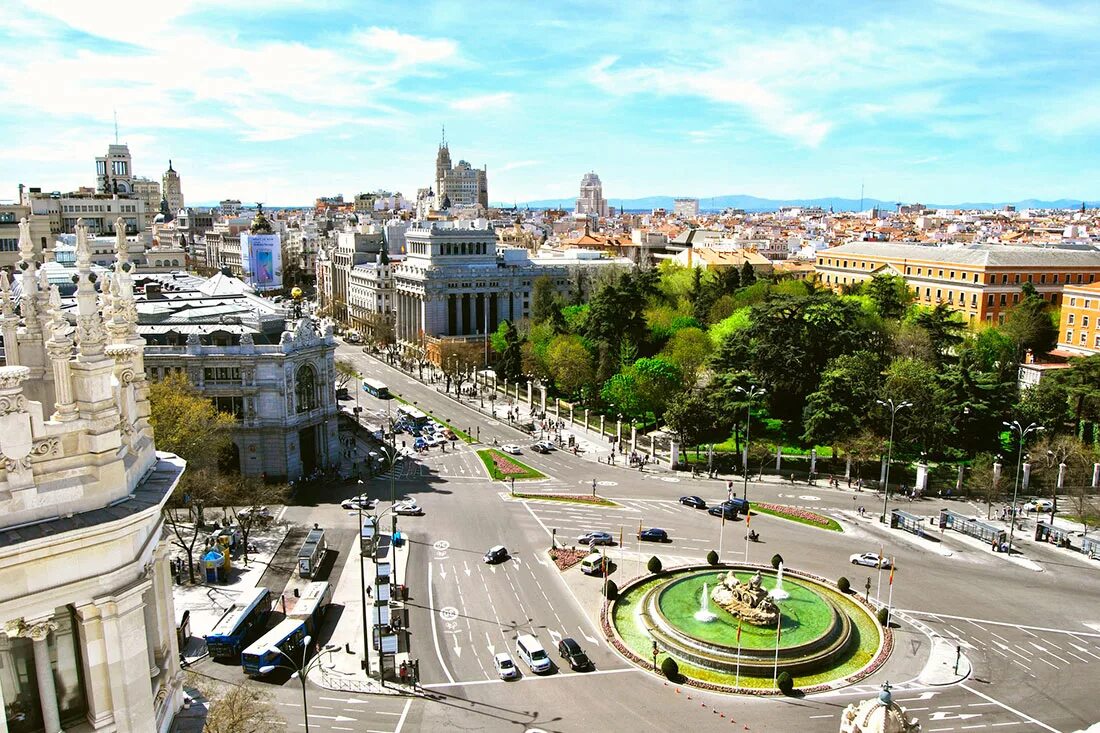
<point x="435" y="440"/>
<point x="1040" y="505"/>
<point x="420" y="443"/>
<point x="653" y="535"/>
<point x="540" y="448"/>
<point x="741" y="505"/>
<point x="496" y="553"/>
<point x="693" y="501"/>
<point x="511" y="448"/>
<point x="723" y="510"/>
<point x="571" y="651"/>
<point x="258" y="514"/>
<point x="506" y="668"/>
<point x="596" y="538"/>
<point x="871" y="560"/>
<point x="407" y="509"/>
<point x="342" y="394"/>
<point x="359" y="502"/>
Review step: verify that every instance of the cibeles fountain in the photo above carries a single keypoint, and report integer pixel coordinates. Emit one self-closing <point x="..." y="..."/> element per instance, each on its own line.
<point x="737" y="627"/>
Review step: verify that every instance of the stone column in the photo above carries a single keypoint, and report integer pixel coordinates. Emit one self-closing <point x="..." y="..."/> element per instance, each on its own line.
<point x="618" y="432"/>
<point x="847" y="466"/>
<point x="1027" y="477"/>
<point x="557" y="409"/>
<point x="959" y="479"/>
<point x="1095" y="475"/>
<point x="571" y="422"/>
<point x="529" y="402"/>
<point x="813" y="460"/>
<point x="601" y="425"/>
<point x="1060" y="485"/>
<point x="778" y="458"/>
<point x="97" y="679"/>
<point x="127" y="660"/>
<point x="3" y="718"/>
<point x="542" y="388"/>
<point x="586" y="419"/>
<point x="633" y="437"/>
<point x="38" y="632"/>
<point x="674" y="454"/>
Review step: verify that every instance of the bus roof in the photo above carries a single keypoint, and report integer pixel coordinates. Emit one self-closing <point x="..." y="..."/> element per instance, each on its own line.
<point x="411" y="412"/>
<point x="242" y="606"/>
<point x="271" y="639"/>
<point x="375" y="383"/>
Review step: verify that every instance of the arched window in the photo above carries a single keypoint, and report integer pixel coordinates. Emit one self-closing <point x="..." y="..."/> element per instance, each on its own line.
<point x="306" y="388"/>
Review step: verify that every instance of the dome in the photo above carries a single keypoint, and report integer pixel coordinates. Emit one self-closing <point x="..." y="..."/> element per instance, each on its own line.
<point x="879" y="715"/>
<point x="260" y="224"/>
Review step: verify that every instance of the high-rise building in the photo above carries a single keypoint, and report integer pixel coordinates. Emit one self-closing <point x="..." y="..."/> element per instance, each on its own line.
<point x="686" y="208"/>
<point x="88" y="636"/>
<point x="114" y="172"/>
<point x="460" y="185"/>
<point x="171" y="190"/>
<point x="148" y="191"/>
<point x="591" y="201"/>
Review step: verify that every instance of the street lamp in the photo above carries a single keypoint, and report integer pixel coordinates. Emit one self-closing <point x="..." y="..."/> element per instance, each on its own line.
<point x="894" y="407"/>
<point x="301" y="671"/>
<point x="750" y="394"/>
<point x="1016" y="427"/>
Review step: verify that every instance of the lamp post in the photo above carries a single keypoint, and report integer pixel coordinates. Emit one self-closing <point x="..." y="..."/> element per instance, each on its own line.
<point x="1020" y="430"/>
<point x="363" y="585"/>
<point x="750" y="394"/>
<point x="301" y="671"/>
<point x="894" y="407"/>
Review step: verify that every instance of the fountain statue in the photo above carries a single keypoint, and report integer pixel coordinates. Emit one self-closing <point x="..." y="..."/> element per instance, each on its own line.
<point x="704" y="614"/>
<point x="777" y="592"/>
<point x="748" y="601"/>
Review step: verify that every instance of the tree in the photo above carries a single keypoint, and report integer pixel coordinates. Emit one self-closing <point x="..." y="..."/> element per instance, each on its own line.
<point x="693" y="416"/>
<point x="925" y="424"/>
<point x="657" y="379"/>
<point x="544" y="300"/>
<point x="1082" y="382"/>
<point x="380" y="328"/>
<point x="570" y="364"/>
<point x="345" y="372"/>
<point x="729" y="280"/>
<point x="654" y="565"/>
<point x="510" y="364"/>
<point x="748" y="275"/>
<point x="944" y="327"/>
<point x="838" y="410"/>
<point x="250" y="495"/>
<point x="188" y="424"/>
<point x="689" y="349"/>
<point x="244" y="708"/>
<point x="458" y="360"/>
<point x="1031" y="325"/>
<point x="983" y="480"/>
<point x="1047" y="404"/>
<point x="670" y="669"/>
<point x="891" y="295"/>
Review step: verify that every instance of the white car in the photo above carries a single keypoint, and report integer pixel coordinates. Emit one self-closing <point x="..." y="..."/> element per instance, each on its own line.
<point x="359" y="502"/>
<point x="407" y="508"/>
<point x="511" y="448"/>
<point x="1040" y="505"/>
<point x="506" y="668"/>
<point x="871" y="560"/>
<point x="436" y="440"/>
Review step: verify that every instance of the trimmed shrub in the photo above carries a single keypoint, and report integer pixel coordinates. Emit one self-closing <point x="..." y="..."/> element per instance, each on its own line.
<point x="712" y="558"/>
<point x="883" y="615"/>
<point x="654" y="565"/>
<point x="843" y="585"/>
<point x="785" y="682"/>
<point x="610" y="590"/>
<point x="670" y="669"/>
<point x="776" y="559"/>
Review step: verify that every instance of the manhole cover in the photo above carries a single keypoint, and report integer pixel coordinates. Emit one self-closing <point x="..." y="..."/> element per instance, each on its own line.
<point x="441" y="545"/>
<point x="670" y="479"/>
<point x="448" y="613"/>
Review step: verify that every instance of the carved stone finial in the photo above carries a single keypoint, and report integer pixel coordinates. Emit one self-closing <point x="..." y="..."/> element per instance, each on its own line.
<point x="121" y="252"/>
<point x="83" y="249"/>
<point x="7" y="308"/>
<point x="26" y="244"/>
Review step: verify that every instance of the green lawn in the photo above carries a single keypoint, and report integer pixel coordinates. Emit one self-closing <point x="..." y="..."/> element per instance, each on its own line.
<point x="792" y="515"/>
<point x="579" y="499"/>
<point x="492" y="458"/>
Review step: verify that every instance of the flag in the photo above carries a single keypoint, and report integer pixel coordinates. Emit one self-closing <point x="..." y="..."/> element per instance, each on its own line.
<point x="779" y="632"/>
<point x="723" y="517"/>
<point x="620" y="536"/>
<point x="748" y="517"/>
<point x="891" y="571"/>
<point x="738" y="631"/>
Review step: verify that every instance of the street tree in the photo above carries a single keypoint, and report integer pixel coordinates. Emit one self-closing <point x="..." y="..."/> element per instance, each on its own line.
<point x="1082" y="382"/>
<point x="689" y="349"/>
<point x="982" y="480"/>
<point x="837" y="411"/>
<point x="510" y="364"/>
<point x="925" y="424"/>
<point x="251" y="495"/>
<point x="570" y="364"/>
<point x="544" y="300"/>
<point x="188" y="424"/>
<point x="459" y="360"/>
<point x="233" y="708"/>
<point x="345" y="372"/>
<point x="944" y="327"/>
<point x="1047" y="404"/>
<point x="693" y="416"/>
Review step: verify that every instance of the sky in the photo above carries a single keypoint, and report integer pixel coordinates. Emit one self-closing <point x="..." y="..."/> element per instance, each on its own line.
<point x="282" y="102"/>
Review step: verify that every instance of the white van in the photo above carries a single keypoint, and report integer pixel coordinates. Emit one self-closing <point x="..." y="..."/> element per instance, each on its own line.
<point x="531" y="652"/>
<point x="593" y="564"/>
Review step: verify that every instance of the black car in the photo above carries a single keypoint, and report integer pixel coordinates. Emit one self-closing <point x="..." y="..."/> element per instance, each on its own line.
<point x="723" y="510"/>
<point x="570" y="650"/>
<point x="497" y="553"/>
<point x="741" y="505"/>
<point x="694" y="501"/>
<point x="653" y="535"/>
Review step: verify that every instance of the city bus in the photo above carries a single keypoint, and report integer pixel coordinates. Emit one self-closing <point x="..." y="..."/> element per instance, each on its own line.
<point x="312" y="552"/>
<point x="239" y="624"/>
<point x="376" y="389"/>
<point x="286" y="638"/>
<point x="310" y="607"/>
<point x="411" y="416"/>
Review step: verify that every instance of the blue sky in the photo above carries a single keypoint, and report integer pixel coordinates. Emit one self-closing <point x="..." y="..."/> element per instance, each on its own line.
<point x="282" y="102"/>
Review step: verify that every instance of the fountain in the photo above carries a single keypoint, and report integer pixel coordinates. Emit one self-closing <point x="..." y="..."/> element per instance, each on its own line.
<point x="777" y="592"/>
<point x="704" y="614"/>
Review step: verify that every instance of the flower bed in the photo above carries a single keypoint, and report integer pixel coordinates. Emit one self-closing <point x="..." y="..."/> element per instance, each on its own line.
<point x="566" y="558"/>
<point x="502" y="468"/>
<point x="569" y="498"/>
<point x="797" y="515"/>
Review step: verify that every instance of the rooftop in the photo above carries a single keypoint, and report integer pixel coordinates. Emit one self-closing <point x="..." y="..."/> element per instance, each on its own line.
<point x="980" y="255"/>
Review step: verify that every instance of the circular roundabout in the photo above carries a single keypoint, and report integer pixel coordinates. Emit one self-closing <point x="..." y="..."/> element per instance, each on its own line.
<point x="737" y="628"/>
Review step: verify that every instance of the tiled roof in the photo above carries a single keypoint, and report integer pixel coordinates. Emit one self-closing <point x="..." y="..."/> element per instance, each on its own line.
<point x="987" y="255"/>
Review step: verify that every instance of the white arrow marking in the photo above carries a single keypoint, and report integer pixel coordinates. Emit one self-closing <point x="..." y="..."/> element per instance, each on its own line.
<point x="555" y="636"/>
<point x="493" y="568"/>
<point x="489" y="643"/>
<point x="541" y="561"/>
<point x="589" y="639"/>
<point x="349" y="701"/>
<point x="467" y="568"/>
<point x="442" y="573"/>
<point x="516" y="560"/>
<point x="922" y="696"/>
<point x="458" y="649"/>
<point x="944" y="715"/>
<point x="335" y="719"/>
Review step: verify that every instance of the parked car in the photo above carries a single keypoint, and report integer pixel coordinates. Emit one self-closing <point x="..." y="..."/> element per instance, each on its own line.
<point x="653" y="534"/>
<point x="571" y="651"/>
<point x="258" y="514"/>
<point x="496" y="553"/>
<point x="511" y="448"/>
<point x="723" y="510"/>
<point x="1040" y="505"/>
<point x="871" y="560"/>
<point x="741" y="505"/>
<point x="541" y="448"/>
<point x="435" y="440"/>
<point x="356" y="502"/>
<point x="506" y="668"/>
<point x="596" y="538"/>
<point x="693" y="501"/>
<point x="420" y="443"/>
<point x="408" y="509"/>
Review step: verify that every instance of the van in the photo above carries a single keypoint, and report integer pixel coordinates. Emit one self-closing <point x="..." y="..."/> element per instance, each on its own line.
<point x="593" y="564"/>
<point x="531" y="652"/>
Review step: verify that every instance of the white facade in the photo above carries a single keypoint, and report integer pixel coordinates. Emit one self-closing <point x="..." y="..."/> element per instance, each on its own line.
<point x="89" y="638"/>
<point x="591" y="201"/>
<point x="686" y="208"/>
<point x="172" y="189"/>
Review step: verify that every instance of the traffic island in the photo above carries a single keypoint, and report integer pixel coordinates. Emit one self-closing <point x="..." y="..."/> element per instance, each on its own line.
<point x="503" y="468"/>
<point x="794" y="514"/>
<point x="567" y="498"/>
<point x="823" y="639"/>
<point x="565" y="558"/>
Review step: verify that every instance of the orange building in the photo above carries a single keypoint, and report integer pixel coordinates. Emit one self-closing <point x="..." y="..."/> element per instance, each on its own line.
<point x="1079" y="330"/>
<point x="982" y="281"/>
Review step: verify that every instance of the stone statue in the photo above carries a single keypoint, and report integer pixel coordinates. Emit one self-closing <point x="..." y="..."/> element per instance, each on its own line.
<point x="748" y="601"/>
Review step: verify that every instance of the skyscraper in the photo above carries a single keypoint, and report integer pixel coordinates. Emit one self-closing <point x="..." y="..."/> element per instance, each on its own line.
<point x="460" y="185"/>
<point x="171" y="190"/>
<point x="591" y="201"/>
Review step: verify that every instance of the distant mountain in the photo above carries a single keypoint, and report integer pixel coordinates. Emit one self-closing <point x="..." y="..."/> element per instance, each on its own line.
<point x="754" y="203"/>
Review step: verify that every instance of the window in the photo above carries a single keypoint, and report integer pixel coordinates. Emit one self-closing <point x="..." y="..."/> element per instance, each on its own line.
<point x="1069" y="319"/>
<point x="1004" y="279"/>
<point x="990" y="299"/>
<point x="1042" y="279"/>
<point x="1084" y="321"/>
<point x="221" y="374"/>
<point x="1015" y="298"/>
<point x="1069" y="335"/>
<point x="1073" y="301"/>
<point x="1087" y="302"/>
<point x="305" y="388"/>
<point x="9" y="244"/>
<point x="941" y="273"/>
<point x="1017" y="278"/>
<point x="1096" y="343"/>
<point x="1084" y="338"/>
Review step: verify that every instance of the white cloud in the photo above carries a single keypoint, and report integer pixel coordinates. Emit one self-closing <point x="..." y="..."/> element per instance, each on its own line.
<point x="517" y="164"/>
<point x="407" y="50"/>
<point x="483" y="102"/>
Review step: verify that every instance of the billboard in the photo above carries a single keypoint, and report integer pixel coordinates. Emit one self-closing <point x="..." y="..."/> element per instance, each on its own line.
<point x="262" y="261"/>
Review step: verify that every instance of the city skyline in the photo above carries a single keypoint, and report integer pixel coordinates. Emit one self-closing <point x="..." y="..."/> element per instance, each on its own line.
<point x="946" y="102"/>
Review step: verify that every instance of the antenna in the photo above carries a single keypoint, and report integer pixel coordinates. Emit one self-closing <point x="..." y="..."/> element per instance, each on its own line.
<point x="116" y="126"/>
<point x="444" y="143"/>
<point x="861" y="196"/>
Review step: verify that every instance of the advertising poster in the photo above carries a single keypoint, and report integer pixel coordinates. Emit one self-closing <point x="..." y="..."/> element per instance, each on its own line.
<point x="261" y="259"/>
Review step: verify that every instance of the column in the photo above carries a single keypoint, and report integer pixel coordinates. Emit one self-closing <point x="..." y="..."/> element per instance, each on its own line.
<point x="601" y="424"/>
<point x="779" y="458"/>
<point x="543" y="388"/>
<point x="125" y="637"/>
<point x="43" y="672"/>
<point x="813" y="461"/>
<point x="529" y="403"/>
<point x="1027" y="477"/>
<point x="633" y="437"/>
<point x="97" y="679"/>
<point x="3" y="718"/>
<point x="586" y="419"/>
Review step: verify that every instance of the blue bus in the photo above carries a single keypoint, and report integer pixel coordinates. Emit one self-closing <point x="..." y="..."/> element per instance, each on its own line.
<point x="411" y="416"/>
<point x="286" y="638"/>
<point x="239" y="624"/>
<point x="377" y="389"/>
<point x="311" y="606"/>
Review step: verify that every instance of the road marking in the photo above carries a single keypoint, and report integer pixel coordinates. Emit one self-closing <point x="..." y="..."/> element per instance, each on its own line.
<point x="1016" y="712"/>
<point x="435" y="633"/>
<point x="401" y="720"/>
<point x="535" y="678"/>
<point x="1005" y="623"/>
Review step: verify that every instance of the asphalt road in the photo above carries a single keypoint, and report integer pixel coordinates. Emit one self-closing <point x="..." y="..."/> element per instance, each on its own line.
<point x="1033" y="637"/>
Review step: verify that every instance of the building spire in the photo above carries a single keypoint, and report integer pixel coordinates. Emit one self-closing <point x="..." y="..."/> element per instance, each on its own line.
<point x="443" y="142"/>
<point x="89" y="328"/>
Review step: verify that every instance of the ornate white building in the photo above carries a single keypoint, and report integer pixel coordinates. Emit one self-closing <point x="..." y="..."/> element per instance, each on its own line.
<point x="89" y="640"/>
<point x="591" y="201"/>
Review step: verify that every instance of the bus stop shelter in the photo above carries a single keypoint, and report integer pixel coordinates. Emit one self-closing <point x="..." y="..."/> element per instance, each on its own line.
<point x="908" y="522"/>
<point x="971" y="527"/>
<point x="1046" y="532"/>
